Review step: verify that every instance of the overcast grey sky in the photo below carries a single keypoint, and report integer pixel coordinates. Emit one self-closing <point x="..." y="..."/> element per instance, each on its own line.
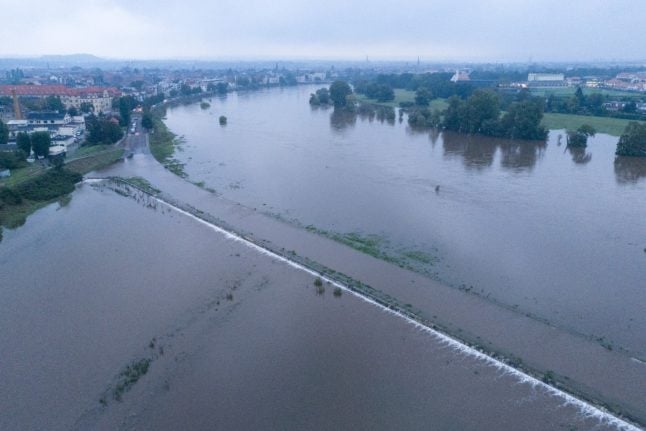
<point x="435" y="30"/>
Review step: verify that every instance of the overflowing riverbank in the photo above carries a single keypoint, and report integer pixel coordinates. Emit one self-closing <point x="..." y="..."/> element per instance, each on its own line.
<point x="565" y="360"/>
<point x="155" y="336"/>
<point x="258" y="245"/>
<point x="25" y="194"/>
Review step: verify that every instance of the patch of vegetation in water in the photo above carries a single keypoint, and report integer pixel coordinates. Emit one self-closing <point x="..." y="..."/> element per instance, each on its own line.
<point x="143" y="184"/>
<point x="163" y="144"/>
<point x="205" y="105"/>
<point x="18" y="202"/>
<point x="129" y="376"/>
<point x="380" y="248"/>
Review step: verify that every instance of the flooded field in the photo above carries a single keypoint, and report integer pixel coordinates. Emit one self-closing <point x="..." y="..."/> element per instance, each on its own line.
<point x="555" y="233"/>
<point x="119" y="312"/>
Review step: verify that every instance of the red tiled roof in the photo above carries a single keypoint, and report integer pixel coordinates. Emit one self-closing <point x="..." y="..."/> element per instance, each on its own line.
<point x="54" y="90"/>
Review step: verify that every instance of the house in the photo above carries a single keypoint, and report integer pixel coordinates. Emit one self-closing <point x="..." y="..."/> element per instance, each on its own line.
<point x="461" y="76"/>
<point x="546" y="80"/>
<point x="100" y="98"/>
<point x="48" y="118"/>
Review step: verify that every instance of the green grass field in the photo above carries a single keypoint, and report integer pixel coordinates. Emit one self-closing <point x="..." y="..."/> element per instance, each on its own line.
<point x="22" y="174"/>
<point x="102" y="156"/>
<point x="404" y="96"/>
<point x="611" y="126"/>
<point x="569" y="91"/>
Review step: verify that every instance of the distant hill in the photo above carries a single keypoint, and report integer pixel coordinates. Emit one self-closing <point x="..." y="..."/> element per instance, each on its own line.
<point x="72" y="58"/>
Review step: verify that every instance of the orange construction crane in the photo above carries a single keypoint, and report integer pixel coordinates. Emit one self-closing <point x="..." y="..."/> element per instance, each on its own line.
<point x="16" y="106"/>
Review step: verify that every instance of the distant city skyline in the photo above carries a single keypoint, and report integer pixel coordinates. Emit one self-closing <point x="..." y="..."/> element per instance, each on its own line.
<point x="435" y="31"/>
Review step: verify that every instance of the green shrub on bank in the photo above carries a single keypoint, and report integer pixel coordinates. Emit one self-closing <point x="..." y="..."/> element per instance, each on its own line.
<point x="54" y="183"/>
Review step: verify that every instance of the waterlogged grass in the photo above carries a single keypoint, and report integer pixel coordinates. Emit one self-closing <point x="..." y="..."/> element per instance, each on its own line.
<point x="99" y="157"/>
<point x="129" y="376"/>
<point x="400" y="96"/>
<point x="163" y="143"/>
<point x="379" y="247"/>
<point x="142" y="184"/>
<point x="611" y="126"/>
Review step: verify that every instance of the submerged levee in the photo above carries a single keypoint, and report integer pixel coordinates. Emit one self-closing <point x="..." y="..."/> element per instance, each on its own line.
<point x="587" y="408"/>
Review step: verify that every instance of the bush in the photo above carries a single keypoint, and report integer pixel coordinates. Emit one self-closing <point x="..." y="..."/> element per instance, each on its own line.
<point x="9" y="197"/>
<point x="11" y="159"/>
<point x="222" y="120"/>
<point x="579" y="138"/>
<point x="54" y="183"/>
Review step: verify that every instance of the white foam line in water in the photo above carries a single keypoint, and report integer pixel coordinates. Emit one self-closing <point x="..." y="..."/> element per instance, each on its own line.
<point x="587" y="410"/>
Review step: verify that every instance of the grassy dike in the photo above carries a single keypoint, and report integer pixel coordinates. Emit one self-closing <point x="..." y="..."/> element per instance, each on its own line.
<point x="163" y="142"/>
<point x="25" y="192"/>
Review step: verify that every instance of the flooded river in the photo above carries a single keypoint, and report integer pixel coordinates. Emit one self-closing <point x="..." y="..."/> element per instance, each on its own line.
<point x="556" y="233"/>
<point x="232" y="338"/>
<point x="120" y="311"/>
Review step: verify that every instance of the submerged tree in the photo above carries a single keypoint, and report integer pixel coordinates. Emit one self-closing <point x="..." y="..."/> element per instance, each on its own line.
<point x="633" y="141"/>
<point x="339" y="92"/>
<point x="579" y="137"/>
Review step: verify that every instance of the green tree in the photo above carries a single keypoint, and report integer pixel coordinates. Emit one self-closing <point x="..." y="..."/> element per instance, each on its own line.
<point x="72" y="111"/>
<point x="422" y="96"/>
<point x="23" y="141"/>
<point x="4" y="133"/>
<point x="11" y="159"/>
<point x="453" y="113"/>
<point x="53" y="103"/>
<point x="87" y="107"/>
<point x="523" y="120"/>
<point x="126" y="105"/>
<point x="147" y="121"/>
<point x="185" y="89"/>
<point x="481" y="106"/>
<point x="633" y="141"/>
<point x="339" y="91"/>
<point x="579" y="138"/>
<point x="380" y="91"/>
<point x="111" y="132"/>
<point x="630" y="107"/>
<point x="102" y="130"/>
<point x="40" y="142"/>
<point x="138" y="84"/>
<point x="222" y="87"/>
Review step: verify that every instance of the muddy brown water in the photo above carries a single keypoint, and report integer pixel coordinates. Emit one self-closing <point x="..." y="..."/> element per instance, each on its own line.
<point x="555" y="232"/>
<point x="106" y="280"/>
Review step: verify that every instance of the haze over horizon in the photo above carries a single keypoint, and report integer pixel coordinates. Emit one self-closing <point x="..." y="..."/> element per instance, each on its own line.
<point x="442" y="30"/>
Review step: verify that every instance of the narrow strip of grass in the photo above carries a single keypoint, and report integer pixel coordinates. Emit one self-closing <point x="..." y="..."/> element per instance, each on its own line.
<point x="22" y="174"/>
<point x="609" y="125"/>
<point x="95" y="159"/>
<point x="162" y="146"/>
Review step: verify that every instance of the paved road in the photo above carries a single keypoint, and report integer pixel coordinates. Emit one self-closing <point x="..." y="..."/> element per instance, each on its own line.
<point x="137" y="142"/>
